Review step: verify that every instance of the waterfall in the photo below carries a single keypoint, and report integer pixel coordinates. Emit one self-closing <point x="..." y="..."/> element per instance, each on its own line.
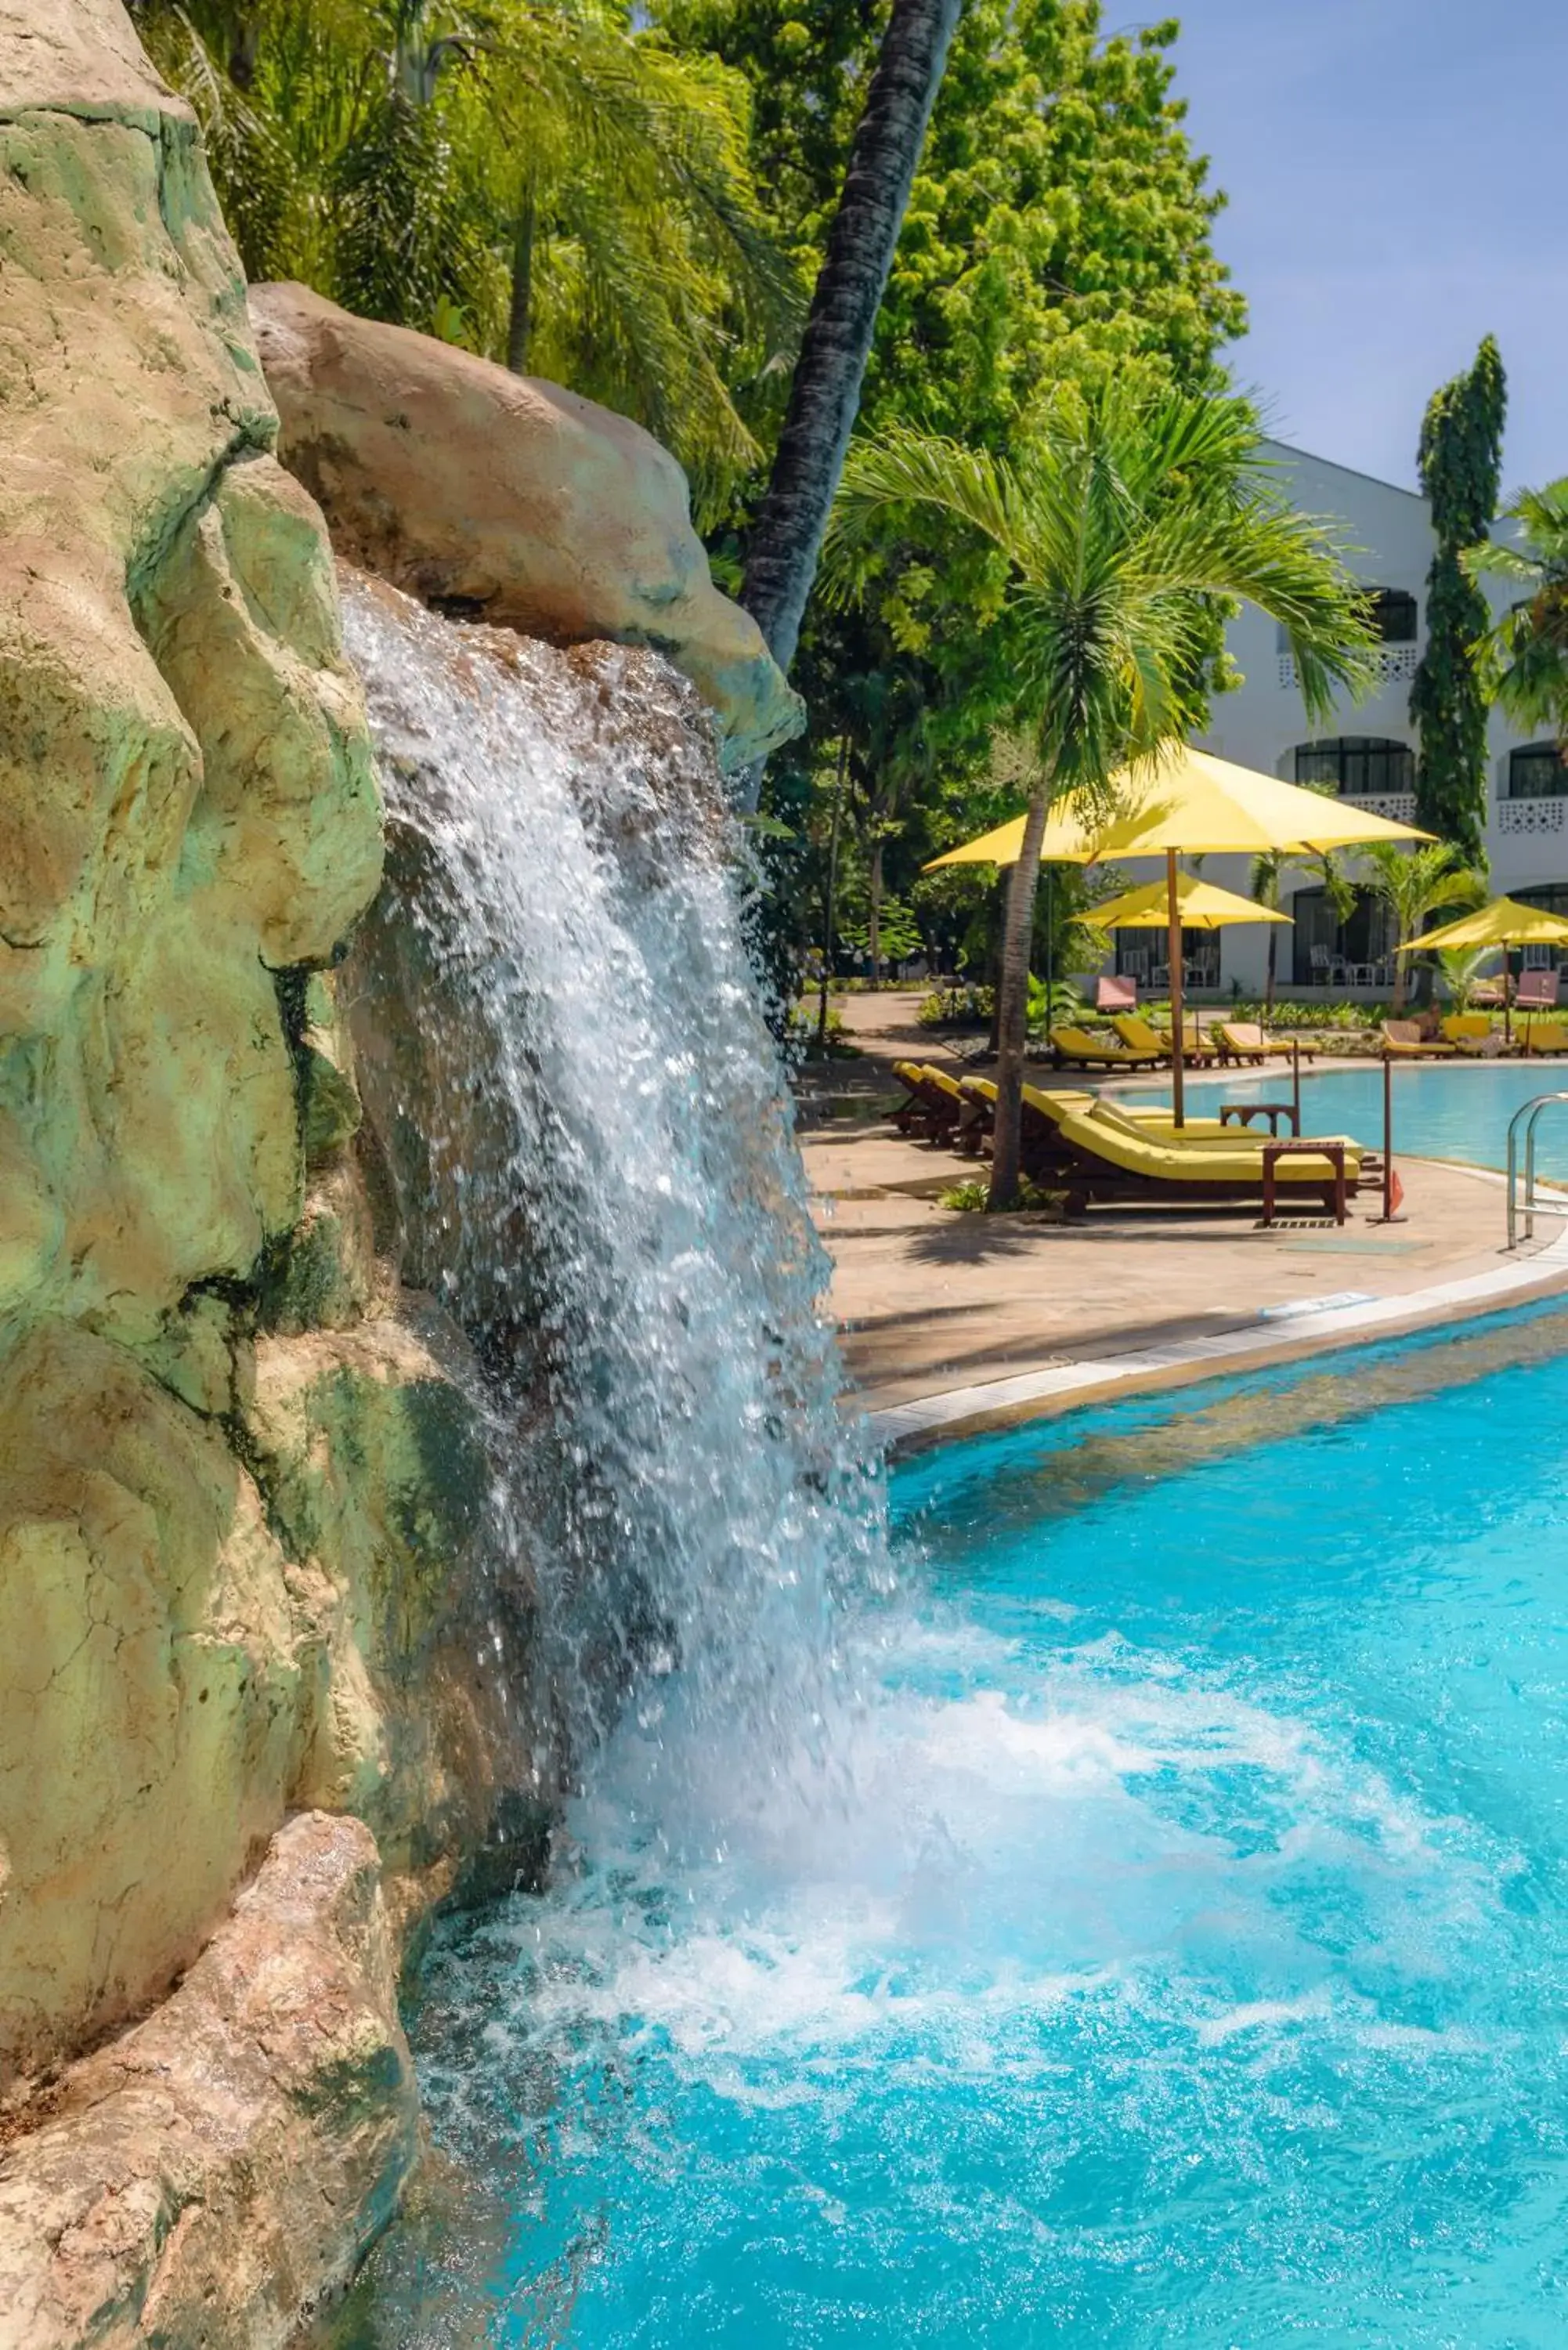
<point x="591" y="1142"/>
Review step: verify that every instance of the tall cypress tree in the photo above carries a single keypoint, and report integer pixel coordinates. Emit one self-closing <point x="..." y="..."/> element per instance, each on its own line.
<point x="1460" y="466"/>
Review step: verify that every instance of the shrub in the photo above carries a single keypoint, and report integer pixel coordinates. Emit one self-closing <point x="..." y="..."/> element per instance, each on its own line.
<point x="970" y="1198"/>
<point x="947" y="1007"/>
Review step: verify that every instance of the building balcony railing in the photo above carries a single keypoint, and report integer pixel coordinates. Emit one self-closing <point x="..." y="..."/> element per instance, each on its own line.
<point x="1545" y="815"/>
<point x="1391" y="665"/>
<point x="1399" y="807"/>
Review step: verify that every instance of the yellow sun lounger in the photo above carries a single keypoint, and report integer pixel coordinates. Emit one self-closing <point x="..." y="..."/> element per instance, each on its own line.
<point x="1077" y="1048"/>
<point x="1243" y="1039"/>
<point x="935" y="1102"/>
<point x="1404" y="1041"/>
<point x="1095" y="1157"/>
<point x="1472" y="1031"/>
<point x="1144" y="1037"/>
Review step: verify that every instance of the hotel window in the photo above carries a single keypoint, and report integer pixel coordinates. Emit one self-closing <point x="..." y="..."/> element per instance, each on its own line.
<point x="1360" y="766"/>
<point x="1394" y="615"/>
<point x="1537" y="773"/>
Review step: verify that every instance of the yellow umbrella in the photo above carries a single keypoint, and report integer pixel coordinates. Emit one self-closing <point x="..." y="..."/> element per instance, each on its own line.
<point x="1501" y="923"/>
<point x="1066" y="842"/>
<point x="1203" y="905"/>
<point x="1190" y="802"/>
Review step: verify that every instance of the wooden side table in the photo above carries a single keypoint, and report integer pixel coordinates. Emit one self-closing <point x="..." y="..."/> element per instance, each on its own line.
<point x="1243" y="1113"/>
<point x="1305" y="1147"/>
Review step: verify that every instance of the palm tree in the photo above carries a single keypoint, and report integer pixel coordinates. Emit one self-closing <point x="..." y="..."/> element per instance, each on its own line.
<point x="1122" y="521"/>
<point x="1267" y="875"/>
<point x="1461" y="969"/>
<point x="539" y="180"/>
<point x="825" y="391"/>
<point x="1415" y="884"/>
<point x="1525" y="658"/>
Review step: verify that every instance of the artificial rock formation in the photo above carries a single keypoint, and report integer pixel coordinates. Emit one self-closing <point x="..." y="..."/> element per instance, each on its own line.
<point x="204" y="2178"/>
<point x="240" y="1482"/>
<point x="503" y="498"/>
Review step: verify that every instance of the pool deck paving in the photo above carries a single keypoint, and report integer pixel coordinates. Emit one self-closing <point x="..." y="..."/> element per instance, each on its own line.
<point x="952" y="1321"/>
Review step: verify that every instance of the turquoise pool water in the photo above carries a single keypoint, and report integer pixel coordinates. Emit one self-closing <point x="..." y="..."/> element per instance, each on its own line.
<point x="1179" y="1956"/>
<point x="1439" y="1111"/>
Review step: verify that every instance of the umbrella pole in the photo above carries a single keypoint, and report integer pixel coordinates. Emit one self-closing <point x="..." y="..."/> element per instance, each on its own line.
<point x="1173" y="950"/>
<point x="1507" y="1007"/>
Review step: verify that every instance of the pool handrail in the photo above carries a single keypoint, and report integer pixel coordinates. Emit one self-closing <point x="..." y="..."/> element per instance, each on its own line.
<point x="1530" y="1110"/>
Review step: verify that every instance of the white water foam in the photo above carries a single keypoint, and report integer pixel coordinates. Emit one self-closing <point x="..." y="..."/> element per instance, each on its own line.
<point x="593" y="1146"/>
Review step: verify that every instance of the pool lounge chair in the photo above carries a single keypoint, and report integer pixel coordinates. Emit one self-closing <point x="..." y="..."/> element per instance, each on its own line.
<point x="934" y="1103"/>
<point x="1143" y="1037"/>
<point x="1116" y="994"/>
<point x="1243" y="1039"/>
<point x="1150" y="1119"/>
<point x="1472" y="1031"/>
<point x="1076" y="1048"/>
<point x="1537" y="991"/>
<point x="1403" y="1039"/>
<point x="1544" y="1037"/>
<point x="1092" y="1156"/>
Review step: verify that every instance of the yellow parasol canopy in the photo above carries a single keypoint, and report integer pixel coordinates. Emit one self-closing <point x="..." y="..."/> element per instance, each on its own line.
<point x="1201" y="806"/>
<point x="1189" y="803"/>
<point x="1202" y="906"/>
<point x="1500" y="922"/>
<point x="1197" y="804"/>
<point x="1066" y="842"/>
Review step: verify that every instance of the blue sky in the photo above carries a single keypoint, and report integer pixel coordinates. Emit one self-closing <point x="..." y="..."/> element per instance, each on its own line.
<point x="1397" y="188"/>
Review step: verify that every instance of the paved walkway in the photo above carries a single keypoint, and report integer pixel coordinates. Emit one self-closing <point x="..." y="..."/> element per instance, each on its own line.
<point x="952" y="1319"/>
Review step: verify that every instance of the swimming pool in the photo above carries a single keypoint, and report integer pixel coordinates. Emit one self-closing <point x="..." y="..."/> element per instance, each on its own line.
<point x="1440" y="1110"/>
<point x="1180" y="1955"/>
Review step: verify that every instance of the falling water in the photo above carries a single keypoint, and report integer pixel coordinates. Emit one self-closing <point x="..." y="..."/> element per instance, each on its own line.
<point x="1157" y="1935"/>
<point x="598" y="1174"/>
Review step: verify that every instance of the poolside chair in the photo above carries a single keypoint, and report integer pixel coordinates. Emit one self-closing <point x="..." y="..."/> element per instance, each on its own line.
<point x="1404" y="1041"/>
<point x="1472" y="1031"/>
<point x="1144" y="1037"/>
<point x="1537" y="991"/>
<point x="1098" y="1153"/>
<point x="977" y="1121"/>
<point x="1545" y="1036"/>
<point x="1119" y="995"/>
<point x="935" y="1103"/>
<point x="1076" y="1048"/>
<point x="1243" y="1039"/>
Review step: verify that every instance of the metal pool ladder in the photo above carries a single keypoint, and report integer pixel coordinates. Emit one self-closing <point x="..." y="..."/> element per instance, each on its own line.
<point x="1530" y="1112"/>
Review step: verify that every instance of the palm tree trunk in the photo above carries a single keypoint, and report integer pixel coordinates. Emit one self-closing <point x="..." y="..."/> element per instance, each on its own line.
<point x="520" y="316"/>
<point x="825" y="391"/>
<point x="245" y="49"/>
<point x="1013" y="1004"/>
<point x="874" y="934"/>
<point x="830" y="910"/>
<point x="1401" y="970"/>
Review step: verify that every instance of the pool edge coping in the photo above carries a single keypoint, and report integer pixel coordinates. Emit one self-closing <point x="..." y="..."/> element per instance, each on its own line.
<point x="952" y="1413"/>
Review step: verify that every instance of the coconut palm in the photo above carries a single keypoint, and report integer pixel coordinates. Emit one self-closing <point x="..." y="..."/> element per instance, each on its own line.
<point x="1123" y="520"/>
<point x="1525" y="658"/>
<point x="1268" y="877"/>
<point x="540" y="180"/>
<point x="1462" y="970"/>
<point x="825" y="390"/>
<point x="1415" y="884"/>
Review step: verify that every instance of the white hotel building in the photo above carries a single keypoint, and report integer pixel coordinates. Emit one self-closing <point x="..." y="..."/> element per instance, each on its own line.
<point x="1368" y="750"/>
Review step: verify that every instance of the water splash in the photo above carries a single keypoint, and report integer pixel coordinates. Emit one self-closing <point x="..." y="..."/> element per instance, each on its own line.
<point x="593" y="1146"/>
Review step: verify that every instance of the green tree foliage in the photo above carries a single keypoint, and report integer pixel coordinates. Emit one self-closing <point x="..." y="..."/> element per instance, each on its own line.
<point x="1058" y="228"/>
<point x="1120" y="521"/>
<point x="1523" y="660"/>
<point x="547" y="181"/>
<point x="1415" y="884"/>
<point x="1459" y="462"/>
